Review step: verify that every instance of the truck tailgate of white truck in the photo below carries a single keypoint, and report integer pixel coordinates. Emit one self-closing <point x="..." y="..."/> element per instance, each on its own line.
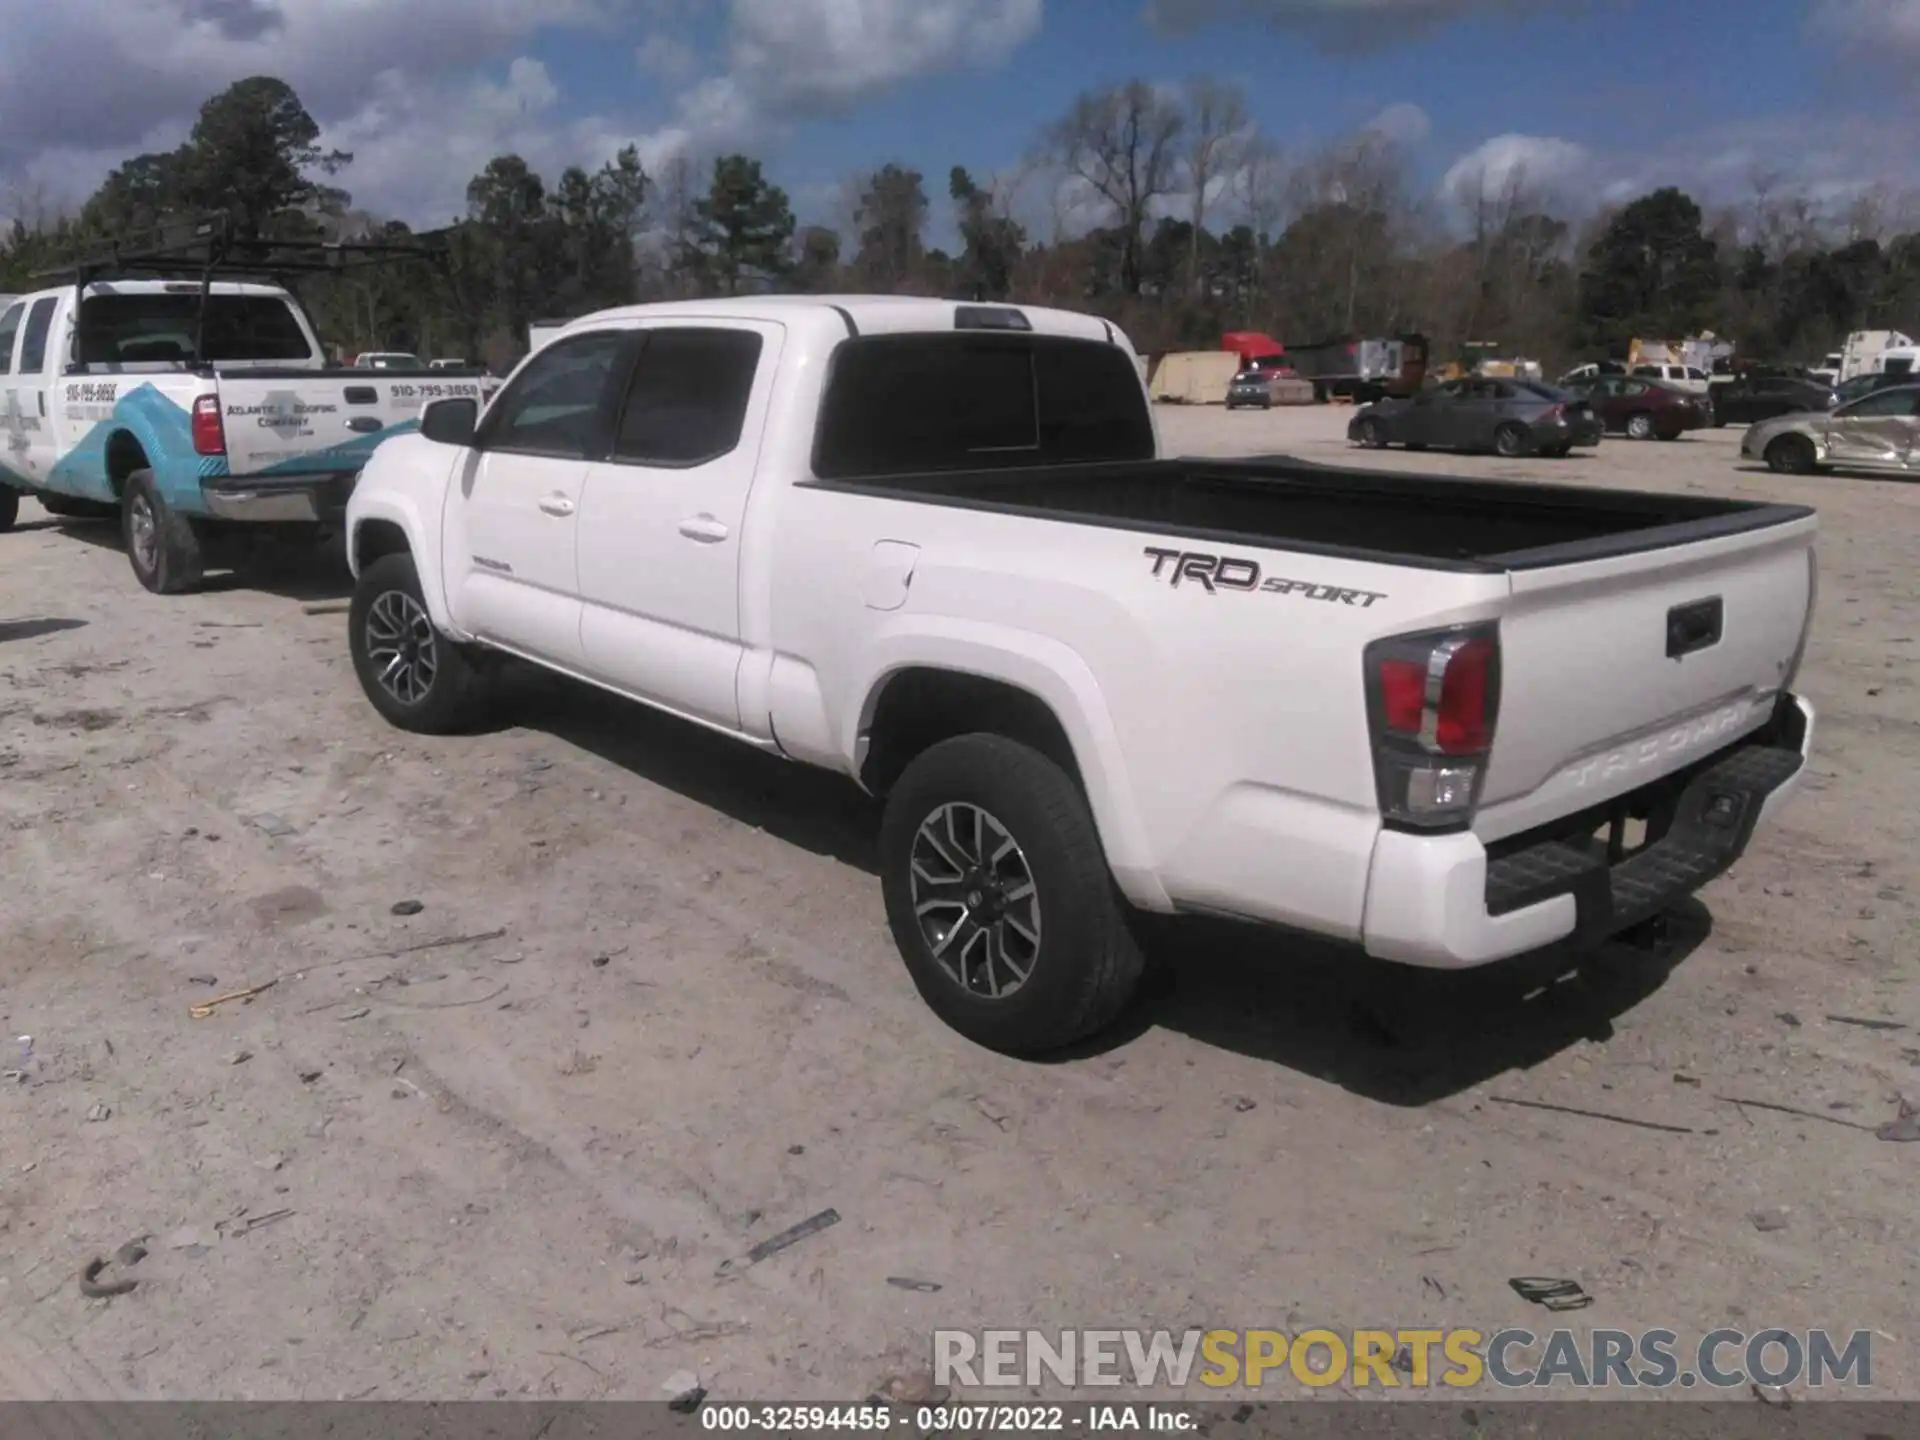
<point x="276" y="420"/>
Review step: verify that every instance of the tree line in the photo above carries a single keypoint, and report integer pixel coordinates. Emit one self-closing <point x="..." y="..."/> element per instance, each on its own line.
<point x="1176" y="219"/>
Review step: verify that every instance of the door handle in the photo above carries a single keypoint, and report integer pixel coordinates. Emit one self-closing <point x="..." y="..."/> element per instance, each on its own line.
<point x="557" y="504"/>
<point x="703" y="528"/>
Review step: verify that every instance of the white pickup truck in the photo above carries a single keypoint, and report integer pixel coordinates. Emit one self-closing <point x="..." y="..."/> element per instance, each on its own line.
<point x="934" y="547"/>
<point x="134" y="397"/>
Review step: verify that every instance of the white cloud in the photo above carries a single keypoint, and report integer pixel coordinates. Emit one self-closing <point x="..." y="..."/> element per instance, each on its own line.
<point x="1888" y="30"/>
<point x="667" y="58"/>
<point x="1832" y="163"/>
<point x="423" y="92"/>
<point x="1540" y="162"/>
<point x="821" y="56"/>
<point x="1404" y="124"/>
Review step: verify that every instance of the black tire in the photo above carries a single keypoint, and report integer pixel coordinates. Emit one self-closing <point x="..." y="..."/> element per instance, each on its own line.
<point x="1371" y="434"/>
<point x="1640" y="426"/>
<point x="1084" y="962"/>
<point x="1511" y="441"/>
<point x="9" y="507"/>
<point x="163" y="546"/>
<point x="438" y="690"/>
<point x="1792" y="455"/>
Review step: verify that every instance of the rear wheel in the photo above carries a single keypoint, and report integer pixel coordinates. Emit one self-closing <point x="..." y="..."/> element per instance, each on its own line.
<point x="1510" y="441"/>
<point x="1000" y="900"/>
<point x="163" y="546"/>
<point x="1792" y="455"/>
<point x="1371" y="434"/>
<point x="1640" y="426"/>
<point x="9" y="507"/>
<point x="419" y="679"/>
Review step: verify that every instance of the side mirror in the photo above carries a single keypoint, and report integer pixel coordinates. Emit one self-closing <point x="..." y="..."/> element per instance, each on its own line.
<point x="450" y="422"/>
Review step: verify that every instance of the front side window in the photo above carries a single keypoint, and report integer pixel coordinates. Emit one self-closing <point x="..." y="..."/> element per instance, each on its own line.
<point x="555" y="405"/>
<point x="33" y="344"/>
<point x="9" y="329"/>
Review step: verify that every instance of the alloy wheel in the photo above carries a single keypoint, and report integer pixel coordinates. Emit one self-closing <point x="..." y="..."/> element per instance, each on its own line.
<point x="975" y="900"/>
<point x="402" y="646"/>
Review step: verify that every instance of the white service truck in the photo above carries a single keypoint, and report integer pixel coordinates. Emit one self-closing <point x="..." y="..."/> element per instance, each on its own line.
<point x="191" y="408"/>
<point x="935" y="547"/>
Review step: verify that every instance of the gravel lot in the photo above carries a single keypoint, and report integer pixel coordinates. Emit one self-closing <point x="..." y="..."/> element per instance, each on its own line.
<point x="512" y="1167"/>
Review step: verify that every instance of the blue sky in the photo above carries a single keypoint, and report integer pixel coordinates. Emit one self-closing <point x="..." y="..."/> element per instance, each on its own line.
<point x="1592" y="99"/>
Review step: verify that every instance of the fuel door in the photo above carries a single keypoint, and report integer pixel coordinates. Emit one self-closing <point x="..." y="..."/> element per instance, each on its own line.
<point x="889" y="574"/>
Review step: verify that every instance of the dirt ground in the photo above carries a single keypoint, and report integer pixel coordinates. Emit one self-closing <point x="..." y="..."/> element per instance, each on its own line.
<point x="514" y="1166"/>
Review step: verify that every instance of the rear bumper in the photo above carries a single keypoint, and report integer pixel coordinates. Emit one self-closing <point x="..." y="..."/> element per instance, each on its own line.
<point x="319" y="498"/>
<point x="1443" y="901"/>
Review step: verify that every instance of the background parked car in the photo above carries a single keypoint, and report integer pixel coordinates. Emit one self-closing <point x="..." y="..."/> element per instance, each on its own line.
<point x="1644" y="409"/>
<point x="1749" y="399"/>
<point x="1861" y="386"/>
<point x="1508" y="417"/>
<point x="1880" y="432"/>
<point x="1680" y="377"/>
<point x="1592" y="370"/>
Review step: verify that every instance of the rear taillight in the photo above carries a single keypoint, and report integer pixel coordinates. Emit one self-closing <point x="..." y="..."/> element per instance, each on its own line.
<point x="1555" y="412"/>
<point x="1432" y="700"/>
<point x="209" y="435"/>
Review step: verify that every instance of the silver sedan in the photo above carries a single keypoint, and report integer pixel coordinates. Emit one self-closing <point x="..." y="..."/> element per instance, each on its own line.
<point x="1878" y="432"/>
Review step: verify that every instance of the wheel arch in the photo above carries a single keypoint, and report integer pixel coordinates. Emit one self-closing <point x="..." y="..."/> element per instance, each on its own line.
<point x="390" y="523"/>
<point x="923" y="688"/>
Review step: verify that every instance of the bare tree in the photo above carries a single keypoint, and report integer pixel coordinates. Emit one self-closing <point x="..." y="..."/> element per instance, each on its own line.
<point x="1122" y="142"/>
<point x="1218" y="132"/>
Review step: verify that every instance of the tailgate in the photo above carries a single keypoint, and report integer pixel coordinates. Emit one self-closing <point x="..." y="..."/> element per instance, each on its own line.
<point x="1592" y="702"/>
<point x="320" y="420"/>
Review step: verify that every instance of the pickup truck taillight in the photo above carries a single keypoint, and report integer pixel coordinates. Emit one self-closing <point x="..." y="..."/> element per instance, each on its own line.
<point x="1432" y="700"/>
<point x="209" y="434"/>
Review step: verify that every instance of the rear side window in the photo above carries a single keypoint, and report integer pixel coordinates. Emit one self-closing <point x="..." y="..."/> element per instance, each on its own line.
<point x="916" y="404"/>
<point x="688" y="397"/>
<point x="9" y="328"/>
<point x="33" y="345"/>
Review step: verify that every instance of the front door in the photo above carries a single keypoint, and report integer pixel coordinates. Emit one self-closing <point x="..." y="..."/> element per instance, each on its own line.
<point x="33" y="391"/>
<point x="1877" y="432"/>
<point x="13" y="431"/>
<point x="1424" y="420"/>
<point x="661" y="520"/>
<point x="512" y="575"/>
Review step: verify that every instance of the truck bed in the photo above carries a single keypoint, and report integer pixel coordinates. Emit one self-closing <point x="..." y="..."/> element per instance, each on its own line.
<point x="1276" y="502"/>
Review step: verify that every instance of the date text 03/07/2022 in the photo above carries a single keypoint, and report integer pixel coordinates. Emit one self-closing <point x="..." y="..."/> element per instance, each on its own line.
<point x="937" y="1419"/>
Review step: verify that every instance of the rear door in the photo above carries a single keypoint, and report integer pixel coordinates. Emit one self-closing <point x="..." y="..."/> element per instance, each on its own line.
<point x="1619" y="670"/>
<point x="661" y="516"/>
